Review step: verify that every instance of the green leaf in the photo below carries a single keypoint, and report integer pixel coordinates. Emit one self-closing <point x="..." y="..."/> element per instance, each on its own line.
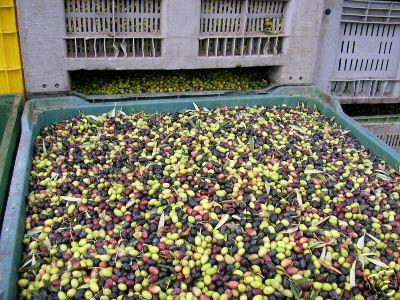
<point x="35" y="231"/>
<point x="295" y="290"/>
<point x="301" y="281"/>
<point x="312" y="295"/>
<point x="251" y="144"/>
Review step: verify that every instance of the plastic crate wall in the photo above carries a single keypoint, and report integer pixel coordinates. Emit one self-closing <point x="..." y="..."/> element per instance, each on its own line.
<point x="167" y="34"/>
<point x="386" y="128"/>
<point x="359" y="58"/>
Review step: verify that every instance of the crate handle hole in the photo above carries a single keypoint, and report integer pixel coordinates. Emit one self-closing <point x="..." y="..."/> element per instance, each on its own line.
<point x="290" y="78"/>
<point x="57" y="85"/>
<point x="301" y="78"/>
<point x="327" y="11"/>
<point x="44" y="85"/>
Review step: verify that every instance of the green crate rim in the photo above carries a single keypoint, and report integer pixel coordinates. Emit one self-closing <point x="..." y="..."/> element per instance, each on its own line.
<point x="52" y="109"/>
<point x="378" y="118"/>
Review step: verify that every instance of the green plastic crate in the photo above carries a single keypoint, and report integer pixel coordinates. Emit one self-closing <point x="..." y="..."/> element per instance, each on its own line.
<point x="10" y="110"/>
<point x="385" y="127"/>
<point x="44" y="111"/>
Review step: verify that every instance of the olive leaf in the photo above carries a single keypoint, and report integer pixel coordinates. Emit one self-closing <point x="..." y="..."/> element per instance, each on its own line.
<point x="373" y="238"/>
<point x="154" y="150"/>
<point x="378" y="262"/>
<point x="295" y="290"/>
<point x="44" y="147"/>
<point x="329" y="266"/>
<point x="251" y="144"/>
<point x="300" y="281"/>
<point x="54" y="176"/>
<point x="47" y="243"/>
<point x="34" y="231"/>
<point x="83" y="286"/>
<point x="93" y="119"/>
<point x="382" y="175"/>
<point x="130" y="203"/>
<point x="236" y="217"/>
<point x="353" y="274"/>
<point x="328" y="257"/>
<point x="196" y="107"/>
<point x="161" y="222"/>
<point x="291" y="230"/>
<point x="298" y="129"/>
<point x="317" y="245"/>
<point x="312" y="171"/>
<point x="322" y="221"/>
<point x="312" y="295"/>
<point x="299" y="199"/>
<point x="222" y="221"/>
<point x="267" y="188"/>
<point x="70" y="199"/>
<point x="361" y="242"/>
<point x="323" y="253"/>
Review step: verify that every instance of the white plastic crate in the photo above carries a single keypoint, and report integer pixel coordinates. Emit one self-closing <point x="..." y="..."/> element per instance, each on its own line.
<point x="359" y="59"/>
<point x="386" y="128"/>
<point x="119" y="28"/>
<point x="59" y="36"/>
<point x="241" y="27"/>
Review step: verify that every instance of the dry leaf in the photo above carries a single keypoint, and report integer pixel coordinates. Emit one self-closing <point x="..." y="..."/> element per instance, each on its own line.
<point x="299" y="199"/>
<point x="161" y="223"/>
<point x="70" y="199"/>
<point x="373" y="238"/>
<point x="222" y="221"/>
<point x="361" y="242"/>
<point x="44" y="147"/>
<point x="196" y="107"/>
<point x="323" y="253"/>
<point x="322" y="221"/>
<point x="267" y="188"/>
<point x="328" y="257"/>
<point x="328" y="265"/>
<point x="307" y="172"/>
<point x="378" y="263"/>
<point x="353" y="274"/>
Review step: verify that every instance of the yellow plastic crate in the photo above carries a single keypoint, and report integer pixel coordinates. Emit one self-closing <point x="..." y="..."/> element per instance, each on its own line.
<point x="11" y="79"/>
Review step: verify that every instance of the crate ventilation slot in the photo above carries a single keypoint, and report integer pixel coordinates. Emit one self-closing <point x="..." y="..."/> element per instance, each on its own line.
<point x="118" y="28"/>
<point x="362" y="88"/>
<point x="241" y="27"/>
<point x="240" y="46"/>
<point x="113" y="48"/>
<point x="378" y="12"/>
